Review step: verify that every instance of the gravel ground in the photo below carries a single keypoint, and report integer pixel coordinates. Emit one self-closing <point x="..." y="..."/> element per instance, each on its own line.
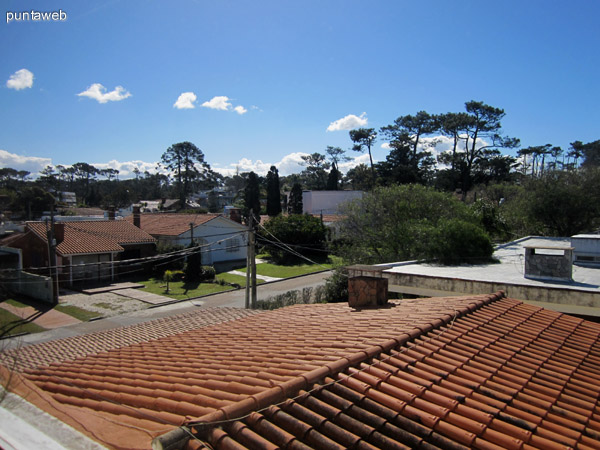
<point x="106" y="304"/>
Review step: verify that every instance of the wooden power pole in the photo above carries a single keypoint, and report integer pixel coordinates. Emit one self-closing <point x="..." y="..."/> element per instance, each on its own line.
<point x="251" y="265"/>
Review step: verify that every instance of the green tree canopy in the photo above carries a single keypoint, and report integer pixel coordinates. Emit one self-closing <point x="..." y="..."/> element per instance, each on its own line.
<point x="295" y="205"/>
<point x="305" y="234"/>
<point x="252" y="196"/>
<point x="273" y="192"/>
<point x="399" y="223"/>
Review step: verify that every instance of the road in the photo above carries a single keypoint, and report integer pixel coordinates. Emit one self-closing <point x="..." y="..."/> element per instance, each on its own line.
<point x="224" y="299"/>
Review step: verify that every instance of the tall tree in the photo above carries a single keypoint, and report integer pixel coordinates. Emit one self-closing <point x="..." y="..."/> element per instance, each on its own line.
<point x="364" y="138"/>
<point x="315" y="173"/>
<point x="183" y="160"/>
<point x="359" y="177"/>
<point x="591" y="154"/>
<point x="295" y="205"/>
<point x="252" y="196"/>
<point x="336" y="155"/>
<point x="408" y="130"/>
<point x="273" y="192"/>
<point x="483" y="131"/>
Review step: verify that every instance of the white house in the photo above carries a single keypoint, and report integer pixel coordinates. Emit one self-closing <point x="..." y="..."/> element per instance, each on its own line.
<point x="225" y="240"/>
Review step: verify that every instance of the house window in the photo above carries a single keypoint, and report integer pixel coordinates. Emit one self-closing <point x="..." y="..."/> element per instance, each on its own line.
<point x="232" y="245"/>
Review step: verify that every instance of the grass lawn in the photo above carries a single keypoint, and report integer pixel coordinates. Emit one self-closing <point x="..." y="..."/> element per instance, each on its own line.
<point x="79" y="313"/>
<point x="293" y="270"/>
<point x="9" y="327"/>
<point x="179" y="290"/>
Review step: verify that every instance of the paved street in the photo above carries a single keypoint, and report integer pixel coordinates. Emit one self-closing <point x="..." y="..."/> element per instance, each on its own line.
<point x="224" y="299"/>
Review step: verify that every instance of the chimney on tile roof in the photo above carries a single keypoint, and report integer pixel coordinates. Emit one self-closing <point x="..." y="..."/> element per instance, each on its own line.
<point x="59" y="232"/>
<point x="366" y="286"/>
<point x="137" y="218"/>
<point x="235" y="214"/>
<point x="111" y="213"/>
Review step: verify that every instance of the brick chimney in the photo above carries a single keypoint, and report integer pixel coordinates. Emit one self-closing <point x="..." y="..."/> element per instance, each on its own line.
<point x="137" y="217"/>
<point x="235" y="214"/>
<point x="59" y="232"/>
<point x="111" y="213"/>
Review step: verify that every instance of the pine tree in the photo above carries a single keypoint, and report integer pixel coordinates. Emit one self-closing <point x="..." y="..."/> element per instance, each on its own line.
<point x="252" y="196"/>
<point x="295" y="202"/>
<point x="273" y="194"/>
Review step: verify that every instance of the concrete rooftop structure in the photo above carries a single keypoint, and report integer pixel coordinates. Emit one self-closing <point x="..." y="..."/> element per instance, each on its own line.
<point x="581" y="296"/>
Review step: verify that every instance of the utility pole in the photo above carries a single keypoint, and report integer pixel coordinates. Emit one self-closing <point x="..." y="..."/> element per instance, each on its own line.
<point x="253" y="261"/>
<point x="251" y="265"/>
<point x="52" y="257"/>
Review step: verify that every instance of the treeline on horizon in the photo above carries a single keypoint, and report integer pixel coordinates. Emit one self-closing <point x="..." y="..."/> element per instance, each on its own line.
<point x="475" y="168"/>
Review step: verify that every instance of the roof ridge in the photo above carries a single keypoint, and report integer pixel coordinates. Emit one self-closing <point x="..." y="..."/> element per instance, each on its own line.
<point x="291" y="388"/>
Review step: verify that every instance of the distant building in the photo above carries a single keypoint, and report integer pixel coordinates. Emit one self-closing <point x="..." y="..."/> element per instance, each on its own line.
<point x="225" y="239"/>
<point x="586" y="249"/>
<point x="326" y="202"/>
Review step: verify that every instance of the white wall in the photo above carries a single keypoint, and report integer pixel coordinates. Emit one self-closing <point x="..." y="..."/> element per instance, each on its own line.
<point x="326" y="202"/>
<point x="226" y="240"/>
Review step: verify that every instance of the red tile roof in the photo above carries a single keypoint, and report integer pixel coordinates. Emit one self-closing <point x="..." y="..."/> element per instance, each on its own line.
<point x="468" y="372"/>
<point x="166" y="224"/>
<point x="94" y="236"/>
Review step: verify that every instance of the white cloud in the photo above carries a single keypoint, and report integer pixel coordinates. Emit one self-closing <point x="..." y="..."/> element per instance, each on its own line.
<point x="185" y="101"/>
<point x="98" y="92"/>
<point x="289" y="164"/>
<point x="386" y="145"/>
<point x="220" y="102"/>
<point x="223" y="103"/>
<point x="21" y="79"/>
<point x="32" y="164"/>
<point x="348" y="122"/>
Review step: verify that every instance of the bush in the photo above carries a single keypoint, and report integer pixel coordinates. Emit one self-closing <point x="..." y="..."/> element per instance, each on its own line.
<point x="399" y="223"/>
<point x="303" y="233"/>
<point x="207" y="273"/>
<point x="455" y="241"/>
<point x="336" y="286"/>
<point x="193" y="266"/>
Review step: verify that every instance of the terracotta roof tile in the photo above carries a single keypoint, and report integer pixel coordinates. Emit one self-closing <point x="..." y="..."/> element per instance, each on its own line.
<point x="95" y="236"/>
<point x="496" y="377"/>
<point x="169" y="224"/>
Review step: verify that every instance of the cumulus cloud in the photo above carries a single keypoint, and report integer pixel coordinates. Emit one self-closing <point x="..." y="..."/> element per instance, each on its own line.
<point x="98" y="92"/>
<point x="289" y="164"/>
<point x="223" y="103"/>
<point x="348" y="122"/>
<point x="185" y="101"/>
<point x="220" y="102"/>
<point x="21" y="79"/>
<point x="32" y="164"/>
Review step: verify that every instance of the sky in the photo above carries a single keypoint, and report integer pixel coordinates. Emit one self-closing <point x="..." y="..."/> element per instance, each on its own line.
<point x="260" y="83"/>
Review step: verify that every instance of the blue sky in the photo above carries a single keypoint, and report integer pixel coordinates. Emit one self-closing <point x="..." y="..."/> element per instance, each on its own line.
<point x="262" y="81"/>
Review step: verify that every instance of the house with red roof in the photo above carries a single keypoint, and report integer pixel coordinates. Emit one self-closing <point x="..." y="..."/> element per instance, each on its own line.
<point x="223" y="240"/>
<point x="481" y="372"/>
<point x="86" y="250"/>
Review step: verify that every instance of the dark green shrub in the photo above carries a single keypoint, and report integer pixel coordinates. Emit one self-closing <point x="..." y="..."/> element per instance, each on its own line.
<point x="336" y="286"/>
<point x="303" y="233"/>
<point x="455" y="241"/>
<point x="193" y="266"/>
<point x="207" y="273"/>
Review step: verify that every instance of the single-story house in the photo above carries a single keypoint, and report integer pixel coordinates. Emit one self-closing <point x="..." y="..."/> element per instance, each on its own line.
<point x="85" y="250"/>
<point x="474" y="372"/>
<point x="225" y="240"/>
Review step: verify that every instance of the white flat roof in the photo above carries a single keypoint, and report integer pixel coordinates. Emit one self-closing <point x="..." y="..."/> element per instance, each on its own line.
<point x="510" y="269"/>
